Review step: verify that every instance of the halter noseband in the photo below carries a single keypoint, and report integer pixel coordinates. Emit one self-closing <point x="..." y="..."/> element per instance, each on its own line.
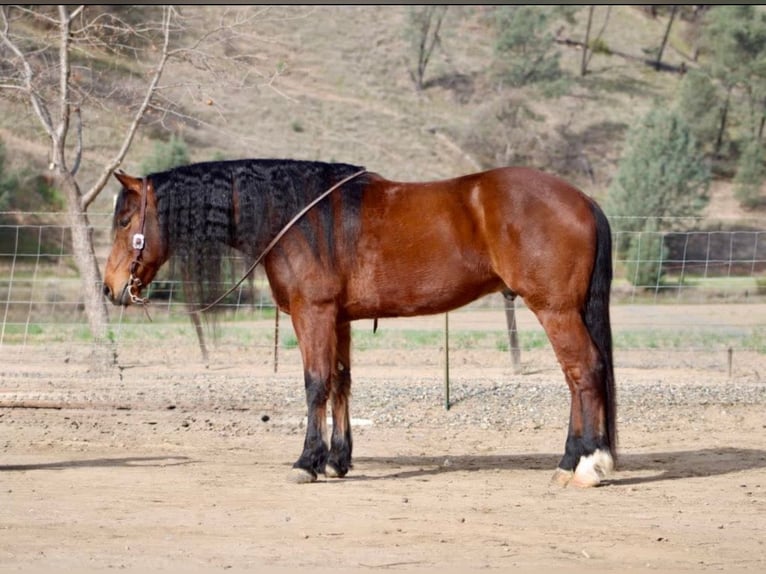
<point x="138" y="242"/>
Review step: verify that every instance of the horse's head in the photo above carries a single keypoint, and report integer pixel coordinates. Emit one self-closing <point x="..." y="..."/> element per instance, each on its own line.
<point x="138" y="248"/>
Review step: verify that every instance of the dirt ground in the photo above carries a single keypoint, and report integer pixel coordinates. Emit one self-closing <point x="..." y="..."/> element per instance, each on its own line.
<point x="164" y="463"/>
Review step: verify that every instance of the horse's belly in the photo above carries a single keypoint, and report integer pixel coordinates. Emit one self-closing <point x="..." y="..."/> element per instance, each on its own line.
<point x="419" y="293"/>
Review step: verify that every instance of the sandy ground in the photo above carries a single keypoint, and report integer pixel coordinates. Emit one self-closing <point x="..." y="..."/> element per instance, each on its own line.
<point x="164" y="464"/>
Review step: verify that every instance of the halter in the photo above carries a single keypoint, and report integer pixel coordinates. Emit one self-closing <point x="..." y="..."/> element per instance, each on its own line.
<point x="139" y="242"/>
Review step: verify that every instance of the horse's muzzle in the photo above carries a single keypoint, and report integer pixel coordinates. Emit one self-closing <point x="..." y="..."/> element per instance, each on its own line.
<point x="123" y="298"/>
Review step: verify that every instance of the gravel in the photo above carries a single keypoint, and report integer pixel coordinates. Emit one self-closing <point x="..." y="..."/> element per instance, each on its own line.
<point x="488" y="396"/>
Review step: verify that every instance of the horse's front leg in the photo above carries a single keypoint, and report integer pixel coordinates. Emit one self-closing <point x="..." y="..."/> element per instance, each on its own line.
<point x="315" y="329"/>
<point x="339" y="461"/>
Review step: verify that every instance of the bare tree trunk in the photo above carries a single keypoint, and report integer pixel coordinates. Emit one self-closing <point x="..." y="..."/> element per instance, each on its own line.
<point x="586" y="43"/>
<point x="722" y="124"/>
<point x="665" y="37"/>
<point x="85" y="259"/>
<point x="513" y="332"/>
<point x="82" y="244"/>
<point x="427" y="22"/>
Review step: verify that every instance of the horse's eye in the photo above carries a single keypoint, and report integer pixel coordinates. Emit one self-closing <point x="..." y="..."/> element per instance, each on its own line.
<point x="124" y="222"/>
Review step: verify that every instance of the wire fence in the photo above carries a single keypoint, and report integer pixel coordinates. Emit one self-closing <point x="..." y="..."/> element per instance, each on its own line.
<point x="678" y="290"/>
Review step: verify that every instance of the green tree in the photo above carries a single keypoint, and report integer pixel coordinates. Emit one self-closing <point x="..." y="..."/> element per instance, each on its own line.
<point x="525" y="50"/>
<point x="735" y="40"/>
<point x="8" y="182"/>
<point x="662" y="174"/>
<point x="751" y="174"/>
<point x="24" y="197"/>
<point x="166" y="155"/>
<point x="699" y="103"/>
<point x="645" y="254"/>
<point x="24" y="190"/>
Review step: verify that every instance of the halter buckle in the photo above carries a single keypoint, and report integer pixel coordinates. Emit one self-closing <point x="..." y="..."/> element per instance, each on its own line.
<point x="138" y="241"/>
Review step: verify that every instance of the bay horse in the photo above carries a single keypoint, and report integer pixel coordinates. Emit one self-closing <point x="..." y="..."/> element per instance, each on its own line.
<point x="375" y="248"/>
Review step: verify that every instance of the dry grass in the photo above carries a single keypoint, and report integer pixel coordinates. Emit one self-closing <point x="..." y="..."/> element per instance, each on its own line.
<point x="340" y="90"/>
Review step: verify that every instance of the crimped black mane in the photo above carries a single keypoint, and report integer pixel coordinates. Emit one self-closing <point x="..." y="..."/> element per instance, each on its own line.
<point x="197" y="215"/>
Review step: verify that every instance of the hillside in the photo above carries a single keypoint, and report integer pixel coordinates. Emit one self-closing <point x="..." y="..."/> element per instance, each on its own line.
<point x="334" y="84"/>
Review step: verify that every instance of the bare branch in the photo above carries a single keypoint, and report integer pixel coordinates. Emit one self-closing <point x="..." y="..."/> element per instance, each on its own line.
<point x="78" y="148"/>
<point x="38" y="104"/>
<point x="37" y="15"/>
<point x="167" y="18"/>
<point x="59" y="142"/>
<point x="76" y="12"/>
<point x="13" y="87"/>
<point x="105" y="31"/>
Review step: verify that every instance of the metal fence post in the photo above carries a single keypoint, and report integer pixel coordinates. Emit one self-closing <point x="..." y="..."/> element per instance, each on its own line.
<point x="446" y="361"/>
<point x="276" y="338"/>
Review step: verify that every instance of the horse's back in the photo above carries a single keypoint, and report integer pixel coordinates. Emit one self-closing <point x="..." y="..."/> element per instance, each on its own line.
<point x="431" y="246"/>
<point x="514" y="191"/>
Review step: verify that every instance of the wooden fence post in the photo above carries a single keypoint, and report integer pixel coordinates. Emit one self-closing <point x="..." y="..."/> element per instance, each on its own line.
<point x="513" y="333"/>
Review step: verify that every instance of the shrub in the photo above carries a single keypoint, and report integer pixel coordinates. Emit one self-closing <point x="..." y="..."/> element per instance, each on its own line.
<point x="645" y="254"/>
<point x="751" y="175"/>
<point x="166" y="155"/>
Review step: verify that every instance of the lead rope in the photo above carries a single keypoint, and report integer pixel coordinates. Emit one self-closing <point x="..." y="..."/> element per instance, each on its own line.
<point x="279" y="236"/>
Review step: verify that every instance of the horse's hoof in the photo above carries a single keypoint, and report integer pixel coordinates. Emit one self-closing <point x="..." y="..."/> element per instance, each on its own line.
<point x="561" y="477"/>
<point x="301" y="476"/>
<point x="592" y="469"/>
<point x="331" y="471"/>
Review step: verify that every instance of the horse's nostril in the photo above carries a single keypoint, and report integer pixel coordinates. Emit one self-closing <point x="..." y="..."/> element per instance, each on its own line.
<point x="107" y="291"/>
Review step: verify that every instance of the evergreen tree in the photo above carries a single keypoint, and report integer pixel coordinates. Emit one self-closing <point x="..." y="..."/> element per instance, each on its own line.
<point x="699" y="104"/>
<point x="662" y="174"/>
<point x="7" y="183"/>
<point x="24" y="190"/>
<point x="645" y="254"/>
<point x="525" y="50"/>
<point x="751" y="174"/>
<point x="735" y="39"/>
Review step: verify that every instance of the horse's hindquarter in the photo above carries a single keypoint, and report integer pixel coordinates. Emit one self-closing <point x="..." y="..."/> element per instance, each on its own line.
<point x="431" y="247"/>
<point x="541" y="236"/>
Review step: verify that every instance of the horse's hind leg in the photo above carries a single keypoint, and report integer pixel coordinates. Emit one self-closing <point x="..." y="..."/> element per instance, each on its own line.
<point x="339" y="461"/>
<point x="587" y="456"/>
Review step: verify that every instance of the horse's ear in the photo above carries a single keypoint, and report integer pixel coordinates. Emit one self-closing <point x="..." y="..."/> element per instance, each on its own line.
<point x="128" y="182"/>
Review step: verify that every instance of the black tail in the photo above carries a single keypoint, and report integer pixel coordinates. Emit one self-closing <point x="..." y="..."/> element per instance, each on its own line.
<point x="596" y="317"/>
